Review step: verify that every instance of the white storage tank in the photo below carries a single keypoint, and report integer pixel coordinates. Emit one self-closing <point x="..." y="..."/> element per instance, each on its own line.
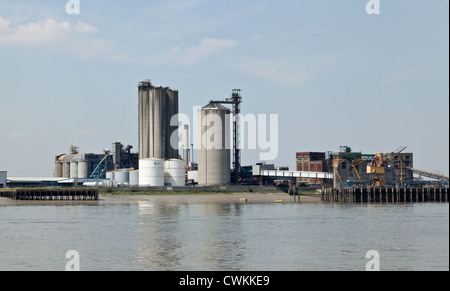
<point x="122" y="177"/>
<point x="109" y="181"/>
<point x="151" y="173"/>
<point x="174" y="173"/>
<point x="134" y="178"/>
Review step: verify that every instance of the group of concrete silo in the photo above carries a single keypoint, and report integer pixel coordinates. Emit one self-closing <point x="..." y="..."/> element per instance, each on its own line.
<point x="159" y="163"/>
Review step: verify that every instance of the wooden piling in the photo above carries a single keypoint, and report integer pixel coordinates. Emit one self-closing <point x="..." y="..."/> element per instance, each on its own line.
<point x="51" y="194"/>
<point x="385" y="195"/>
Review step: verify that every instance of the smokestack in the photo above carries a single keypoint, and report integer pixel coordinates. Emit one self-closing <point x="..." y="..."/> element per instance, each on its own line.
<point x="186" y="143"/>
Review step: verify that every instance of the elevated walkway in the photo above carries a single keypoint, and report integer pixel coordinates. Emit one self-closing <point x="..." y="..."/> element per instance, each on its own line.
<point x="296" y="174"/>
<point x="431" y="175"/>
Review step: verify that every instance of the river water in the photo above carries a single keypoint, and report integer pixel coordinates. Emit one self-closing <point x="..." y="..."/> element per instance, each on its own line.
<point x="144" y="235"/>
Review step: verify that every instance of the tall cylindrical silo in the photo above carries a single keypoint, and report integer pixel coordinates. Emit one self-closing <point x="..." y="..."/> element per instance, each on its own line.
<point x="66" y="169"/>
<point x="156" y="100"/>
<point x="140" y="120"/>
<point x="73" y="170"/>
<point x="157" y="106"/>
<point x="175" y="173"/>
<point x="151" y="172"/>
<point x="186" y="144"/>
<point x="171" y="117"/>
<point x="214" y="150"/>
<point x="58" y="172"/>
<point x="83" y="169"/>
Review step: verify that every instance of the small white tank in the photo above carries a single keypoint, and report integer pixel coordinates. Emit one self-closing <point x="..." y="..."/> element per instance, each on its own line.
<point x="121" y="177"/>
<point x="134" y="178"/>
<point x="174" y="173"/>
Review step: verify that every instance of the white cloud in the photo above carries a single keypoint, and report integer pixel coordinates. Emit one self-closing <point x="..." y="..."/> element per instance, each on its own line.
<point x="207" y="46"/>
<point x="52" y="34"/>
<point x="178" y="55"/>
<point x="276" y="71"/>
<point x="82" y="27"/>
<point x="4" y="24"/>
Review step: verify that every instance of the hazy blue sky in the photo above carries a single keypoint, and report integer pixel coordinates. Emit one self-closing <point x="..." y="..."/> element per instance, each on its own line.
<point x="334" y="74"/>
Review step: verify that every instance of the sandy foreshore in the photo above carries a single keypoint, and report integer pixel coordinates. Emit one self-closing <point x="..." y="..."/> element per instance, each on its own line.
<point x="185" y="198"/>
<point x="215" y="198"/>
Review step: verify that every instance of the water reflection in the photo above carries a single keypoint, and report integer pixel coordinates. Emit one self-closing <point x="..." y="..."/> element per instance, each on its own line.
<point x="158" y="247"/>
<point x="193" y="236"/>
<point x="223" y="243"/>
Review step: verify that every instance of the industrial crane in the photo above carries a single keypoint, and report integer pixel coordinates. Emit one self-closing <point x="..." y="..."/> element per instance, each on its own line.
<point x="346" y="155"/>
<point x="99" y="169"/>
<point x="377" y="165"/>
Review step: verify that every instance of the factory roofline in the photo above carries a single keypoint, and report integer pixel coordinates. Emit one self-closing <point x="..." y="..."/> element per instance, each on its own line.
<point x="35" y="179"/>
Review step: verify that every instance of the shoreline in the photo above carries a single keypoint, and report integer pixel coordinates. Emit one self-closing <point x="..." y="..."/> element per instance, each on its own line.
<point x="234" y="197"/>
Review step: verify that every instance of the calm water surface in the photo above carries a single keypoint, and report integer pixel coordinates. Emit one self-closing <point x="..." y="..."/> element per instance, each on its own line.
<point x="142" y="235"/>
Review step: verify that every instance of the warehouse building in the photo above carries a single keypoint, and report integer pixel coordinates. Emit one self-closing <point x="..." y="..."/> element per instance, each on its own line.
<point x="3" y="178"/>
<point x="312" y="162"/>
<point x="350" y="168"/>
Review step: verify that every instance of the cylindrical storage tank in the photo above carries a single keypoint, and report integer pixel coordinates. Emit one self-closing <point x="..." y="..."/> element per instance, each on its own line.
<point x="83" y="170"/>
<point x="186" y="144"/>
<point x="151" y="173"/>
<point x="73" y="170"/>
<point x="157" y="106"/>
<point x="175" y="173"/>
<point x="134" y="178"/>
<point x="58" y="172"/>
<point x="170" y="147"/>
<point x="66" y="169"/>
<point x="121" y="177"/>
<point x="214" y="150"/>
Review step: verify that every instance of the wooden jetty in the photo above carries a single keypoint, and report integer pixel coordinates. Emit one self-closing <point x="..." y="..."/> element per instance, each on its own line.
<point x="51" y="194"/>
<point x="385" y="195"/>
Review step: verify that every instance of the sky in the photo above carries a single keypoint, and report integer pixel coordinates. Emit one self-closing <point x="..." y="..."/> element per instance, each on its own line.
<point x="334" y="74"/>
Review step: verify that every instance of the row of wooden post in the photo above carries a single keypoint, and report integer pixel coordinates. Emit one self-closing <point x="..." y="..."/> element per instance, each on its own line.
<point x="51" y="194"/>
<point x="385" y="195"/>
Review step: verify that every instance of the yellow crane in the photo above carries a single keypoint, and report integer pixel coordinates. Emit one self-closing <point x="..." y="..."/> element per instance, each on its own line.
<point x="377" y="165"/>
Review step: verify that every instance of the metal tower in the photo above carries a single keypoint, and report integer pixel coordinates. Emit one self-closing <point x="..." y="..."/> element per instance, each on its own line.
<point x="235" y="100"/>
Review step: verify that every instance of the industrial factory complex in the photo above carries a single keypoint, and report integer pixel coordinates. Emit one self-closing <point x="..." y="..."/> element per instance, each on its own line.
<point x="160" y="162"/>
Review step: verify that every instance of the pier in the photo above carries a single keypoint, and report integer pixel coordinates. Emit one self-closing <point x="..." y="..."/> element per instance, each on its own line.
<point x="51" y="194"/>
<point x="385" y="195"/>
